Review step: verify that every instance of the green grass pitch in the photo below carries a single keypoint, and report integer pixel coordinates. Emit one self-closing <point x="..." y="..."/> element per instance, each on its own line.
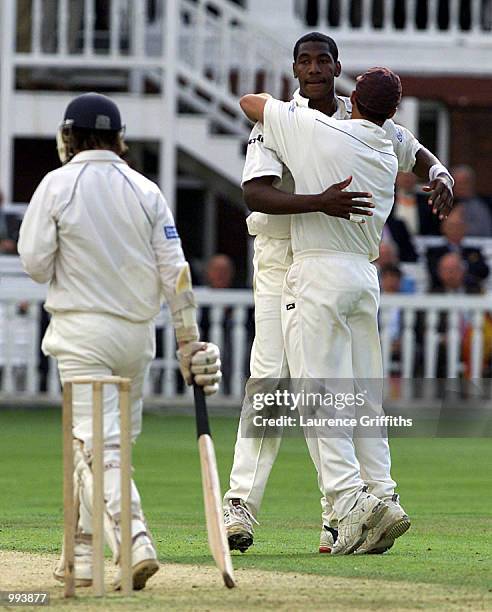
<point x="445" y="485"/>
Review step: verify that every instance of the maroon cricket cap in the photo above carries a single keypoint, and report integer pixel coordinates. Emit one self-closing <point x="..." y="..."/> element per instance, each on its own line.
<point x="378" y="90"/>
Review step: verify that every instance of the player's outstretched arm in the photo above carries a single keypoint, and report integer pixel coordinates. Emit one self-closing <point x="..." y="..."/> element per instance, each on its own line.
<point x="261" y="196"/>
<point x="439" y="182"/>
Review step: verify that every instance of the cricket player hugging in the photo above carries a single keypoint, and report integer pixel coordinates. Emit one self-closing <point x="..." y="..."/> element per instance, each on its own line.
<point x="104" y="239"/>
<point x="331" y="294"/>
<point x="268" y="188"/>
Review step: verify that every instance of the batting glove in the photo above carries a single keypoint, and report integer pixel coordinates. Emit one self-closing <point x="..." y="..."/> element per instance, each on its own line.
<point x="200" y="361"/>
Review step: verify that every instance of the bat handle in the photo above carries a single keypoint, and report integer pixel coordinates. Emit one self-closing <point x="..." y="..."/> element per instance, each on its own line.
<point x="202" y="424"/>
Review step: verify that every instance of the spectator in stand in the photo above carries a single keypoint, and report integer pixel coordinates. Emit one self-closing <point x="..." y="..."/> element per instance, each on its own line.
<point x="8" y="242"/>
<point x="390" y="280"/>
<point x="477" y="214"/>
<point x="412" y="208"/>
<point x="388" y="257"/>
<point x="220" y="273"/>
<point x="452" y="277"/>
<point x="452" y="280"/>
<point x="476" y="269"/>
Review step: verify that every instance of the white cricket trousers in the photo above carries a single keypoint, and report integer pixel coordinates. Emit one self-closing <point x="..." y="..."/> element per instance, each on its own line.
<point x="254" y="457"/>
<point x="95" y="344"/>
<point x="329" y="320"/>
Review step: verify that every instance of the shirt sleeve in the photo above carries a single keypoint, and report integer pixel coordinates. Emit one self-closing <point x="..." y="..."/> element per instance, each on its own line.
<point x="167" y="248"/>
<point x="405" y="145"/>
<point x="260" y="161"/>
<point x="288" y="131"/>
<point x="38" y="240"/>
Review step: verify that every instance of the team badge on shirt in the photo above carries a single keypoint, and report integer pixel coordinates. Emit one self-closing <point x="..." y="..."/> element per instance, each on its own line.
<point x="171" y="232"/>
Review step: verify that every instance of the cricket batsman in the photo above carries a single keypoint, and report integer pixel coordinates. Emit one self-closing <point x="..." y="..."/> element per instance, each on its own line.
<point x="268" y="188"/>
<point x="103" y="237"/>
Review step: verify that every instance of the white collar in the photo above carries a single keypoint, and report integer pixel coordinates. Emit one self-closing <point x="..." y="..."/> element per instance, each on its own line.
<point x="96" y="155"/>
<point x="300" y="100"/>
<point x="304" y="102"/>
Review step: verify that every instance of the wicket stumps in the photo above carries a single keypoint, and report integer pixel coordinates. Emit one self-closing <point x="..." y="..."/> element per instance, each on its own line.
<point x="70" y="512"/>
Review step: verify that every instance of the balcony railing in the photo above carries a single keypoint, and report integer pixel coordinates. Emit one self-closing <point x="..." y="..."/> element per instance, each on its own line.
<point x="437" y="17"/>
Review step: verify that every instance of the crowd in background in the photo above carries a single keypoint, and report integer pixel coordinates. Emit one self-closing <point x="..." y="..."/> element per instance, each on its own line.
<point x="452" y="266"/>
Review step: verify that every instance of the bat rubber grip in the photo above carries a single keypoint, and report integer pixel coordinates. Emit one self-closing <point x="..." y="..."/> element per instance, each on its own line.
<point x="202" y="425"/>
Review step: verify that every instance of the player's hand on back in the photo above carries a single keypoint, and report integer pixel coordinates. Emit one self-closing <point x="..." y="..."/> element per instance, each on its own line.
<point x="200" y="362"/>
<point x="336" y="202"/>
<point x="440" y="196"/>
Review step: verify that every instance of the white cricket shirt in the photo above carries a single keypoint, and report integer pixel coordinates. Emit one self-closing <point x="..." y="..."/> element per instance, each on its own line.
<point x="261" y="161"/>
<point x="320" y="151"/>
<point x="103" y="237"/>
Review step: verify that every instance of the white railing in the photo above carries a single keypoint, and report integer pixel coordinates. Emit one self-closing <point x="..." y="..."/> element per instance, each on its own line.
<point x="443" y="18"/>
<point x="427" y="336"/>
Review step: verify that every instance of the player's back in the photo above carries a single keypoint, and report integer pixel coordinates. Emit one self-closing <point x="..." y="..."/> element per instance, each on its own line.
<point x="105" y="262"/>
<point x="321" y="151"/>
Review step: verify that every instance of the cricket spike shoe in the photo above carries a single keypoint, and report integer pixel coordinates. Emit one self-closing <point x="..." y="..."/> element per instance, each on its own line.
<point x="238" y="522"/>
<point x="82" y="564"/>
<point x="367" y="514"/>
<point x="144" y="563"/>
<point x="382" y="537"/>
<point x="327" y="539"/>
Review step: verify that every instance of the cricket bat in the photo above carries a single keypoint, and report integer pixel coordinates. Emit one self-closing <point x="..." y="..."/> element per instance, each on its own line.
<point x="217" y="539"/>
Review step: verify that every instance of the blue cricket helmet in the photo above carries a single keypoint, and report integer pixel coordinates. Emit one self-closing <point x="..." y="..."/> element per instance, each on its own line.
<point x="93" y="111"/>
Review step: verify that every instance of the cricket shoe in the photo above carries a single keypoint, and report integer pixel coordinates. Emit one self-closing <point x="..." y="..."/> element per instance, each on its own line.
<point x="367" y="513"/>
<point x="144" y="563"/>
<point x="327" y="539"/>
<point x="382" y="537"/>
<point x="238" y="522"/>
<point x="82" y="564"/>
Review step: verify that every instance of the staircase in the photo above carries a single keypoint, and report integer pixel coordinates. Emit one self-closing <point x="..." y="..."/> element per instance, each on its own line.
<point x="216" y="52"/>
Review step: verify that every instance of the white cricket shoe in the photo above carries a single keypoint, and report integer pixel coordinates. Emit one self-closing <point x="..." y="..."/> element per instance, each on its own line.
<point x="382" y="537"/>
<point x="327" y="539"/>
<point x="367" y="513"/>
<point x="82" y="565"/>
<point x="144" y="563"/>
<point x="238" y="522"/>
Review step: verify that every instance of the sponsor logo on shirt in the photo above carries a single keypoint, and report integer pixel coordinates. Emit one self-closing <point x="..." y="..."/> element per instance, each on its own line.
<point x="292" y="106"/>
<point x="290" y="306"/>
<point x="258" y="138"/>
<point x="399" y="135"/>
<point x="171" y="232"/>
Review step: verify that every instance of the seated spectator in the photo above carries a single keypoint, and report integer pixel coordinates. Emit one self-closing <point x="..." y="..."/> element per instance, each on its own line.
<point x="411" y="206"/>
<point x="390" y="278"/>
<point x="477" y="214"/>
<point x="388" y="258"/>
<point x="476" y="269"/>
<point x="451" y="273"/>
<point x="220" y="272"/>
<point x="8" y="237"/>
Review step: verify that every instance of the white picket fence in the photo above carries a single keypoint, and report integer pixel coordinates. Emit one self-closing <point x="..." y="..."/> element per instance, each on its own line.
<point x="20" y="311"/>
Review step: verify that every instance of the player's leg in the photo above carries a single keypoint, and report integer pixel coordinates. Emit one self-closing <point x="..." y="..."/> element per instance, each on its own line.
<point x="256" y="448"/>
<point x="132" y="360"/>
<point x="81" y="349"/>
<point x="371" y="445"/>
<point x="318" y="346"/>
